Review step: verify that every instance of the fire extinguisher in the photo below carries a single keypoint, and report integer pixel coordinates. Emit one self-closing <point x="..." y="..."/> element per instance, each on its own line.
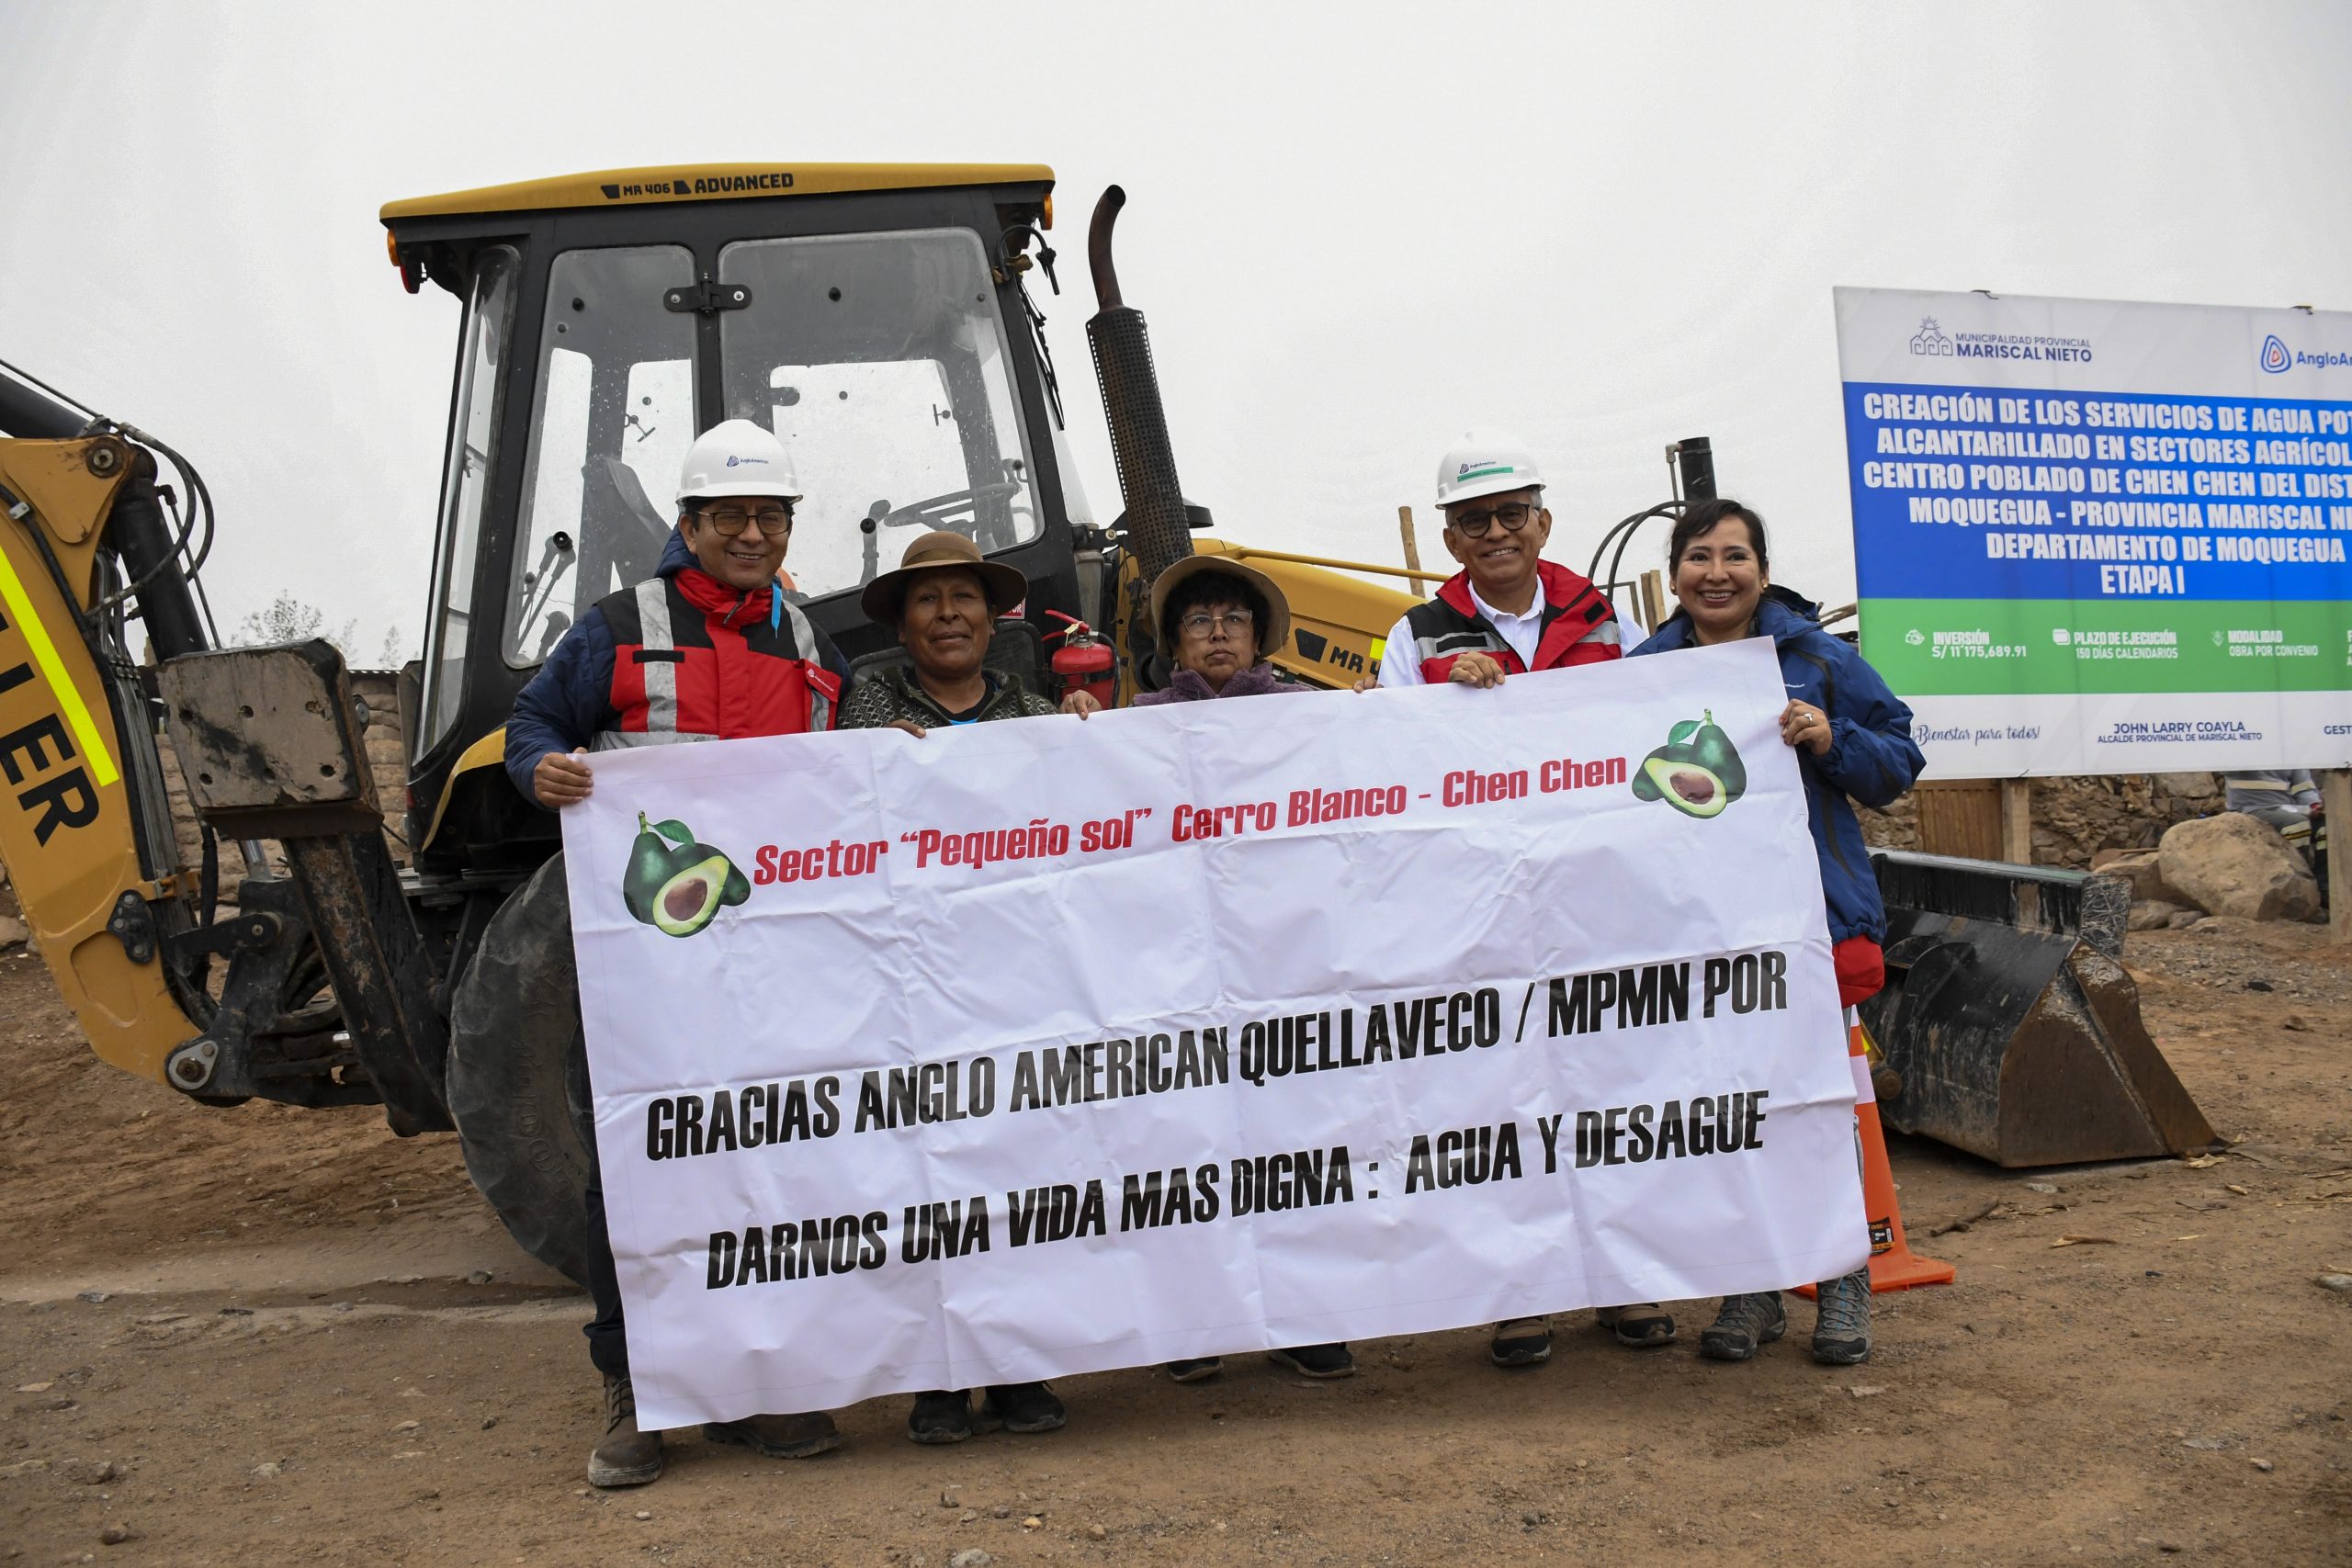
<point x="1084" y="661"/>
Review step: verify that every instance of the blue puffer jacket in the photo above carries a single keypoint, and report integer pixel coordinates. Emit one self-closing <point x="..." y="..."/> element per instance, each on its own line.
<point x="1871" y="757"/>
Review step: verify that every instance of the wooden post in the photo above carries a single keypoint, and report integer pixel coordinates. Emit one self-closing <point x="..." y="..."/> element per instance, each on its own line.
<point x="1412" y="547"/>
<point x="1654" y="610"/>
<point x="2017" y="821"/>
<point x="2336" y="796"/>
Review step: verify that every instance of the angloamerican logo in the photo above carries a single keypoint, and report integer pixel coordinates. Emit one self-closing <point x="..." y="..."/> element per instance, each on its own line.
<point x="2277" y="357"/>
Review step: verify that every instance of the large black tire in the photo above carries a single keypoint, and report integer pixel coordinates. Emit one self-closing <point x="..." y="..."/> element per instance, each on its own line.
<point x="514" y="1047"/>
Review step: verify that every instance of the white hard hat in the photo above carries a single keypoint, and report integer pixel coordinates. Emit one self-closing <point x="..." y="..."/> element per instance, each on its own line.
<point x="1484" y="462"/>
<point x="737" y="458"/>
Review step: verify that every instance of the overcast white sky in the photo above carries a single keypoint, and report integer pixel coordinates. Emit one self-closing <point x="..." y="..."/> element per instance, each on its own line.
<point x="1355" y="229"/>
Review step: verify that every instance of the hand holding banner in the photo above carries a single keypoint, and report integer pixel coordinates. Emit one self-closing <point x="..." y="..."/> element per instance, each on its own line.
<point x="1045" y="1047"/>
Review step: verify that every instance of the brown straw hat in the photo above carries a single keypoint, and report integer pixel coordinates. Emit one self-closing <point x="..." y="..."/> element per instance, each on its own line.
<point x="886" y="595"/>
<point x="1270" y="637"/>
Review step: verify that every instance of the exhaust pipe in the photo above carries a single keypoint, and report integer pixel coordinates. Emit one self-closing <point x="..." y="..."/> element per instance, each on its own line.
<point x="1158" y="530"/>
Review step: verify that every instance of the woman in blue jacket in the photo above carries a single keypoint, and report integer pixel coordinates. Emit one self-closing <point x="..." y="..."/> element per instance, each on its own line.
<point x="1853" y="742"/>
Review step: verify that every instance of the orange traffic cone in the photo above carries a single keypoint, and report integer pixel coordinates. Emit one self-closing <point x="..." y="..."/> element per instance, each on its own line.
<point x="1894" y="1266"/>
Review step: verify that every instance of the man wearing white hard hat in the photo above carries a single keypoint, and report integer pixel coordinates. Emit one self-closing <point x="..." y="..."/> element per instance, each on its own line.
<point x="1509" y="611"/>
<point x="707" y="648"/>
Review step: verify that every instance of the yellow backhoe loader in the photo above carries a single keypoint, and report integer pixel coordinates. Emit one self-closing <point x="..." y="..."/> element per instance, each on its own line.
<point x="882" y="318"/>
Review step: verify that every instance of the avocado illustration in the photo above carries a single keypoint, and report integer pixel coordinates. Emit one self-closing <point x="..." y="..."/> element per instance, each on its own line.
<point x="1680" y="779"/>
<point x="676" y="884"/>
<point x="1697" y="772"/>
<point x="1712" y="750"/>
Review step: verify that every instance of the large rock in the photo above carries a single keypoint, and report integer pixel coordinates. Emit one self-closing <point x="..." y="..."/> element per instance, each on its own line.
<point x="2150" y="914"/>
<point x="2232" y="864"/>
<point x="2139" y="868"/>
<point x="12" y="933"/>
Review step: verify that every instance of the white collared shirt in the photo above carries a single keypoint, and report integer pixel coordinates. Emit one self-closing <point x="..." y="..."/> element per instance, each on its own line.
<point x="1400" y="663"/>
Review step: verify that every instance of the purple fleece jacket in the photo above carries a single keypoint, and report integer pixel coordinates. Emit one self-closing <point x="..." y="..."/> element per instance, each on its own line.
<point x="1258" y="681"/>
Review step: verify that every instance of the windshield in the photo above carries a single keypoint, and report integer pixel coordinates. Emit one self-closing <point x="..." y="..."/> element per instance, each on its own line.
<point x="880" y="361"/>
<point x="465" y="482"/>
<point x="613" y="416"/>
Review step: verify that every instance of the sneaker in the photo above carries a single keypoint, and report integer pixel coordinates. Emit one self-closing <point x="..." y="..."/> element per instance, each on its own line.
<point x="1315" y="1361"/>
<point x="778" y="1437"/>
<point x="626" y="1457"/>
<point x="1022" y="1407"/>
<point x="942" y="1415"/>
<point x="1521" y="1342"/>
<point x="1842" y="1332"/>
<point x="1643" y="1325"/>
<point x="1199" y="1370"/>
<point x="1742" y="1324"/>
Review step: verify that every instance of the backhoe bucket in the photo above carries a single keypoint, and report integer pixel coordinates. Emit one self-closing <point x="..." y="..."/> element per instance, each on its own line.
<point x="2010" y="1022"/>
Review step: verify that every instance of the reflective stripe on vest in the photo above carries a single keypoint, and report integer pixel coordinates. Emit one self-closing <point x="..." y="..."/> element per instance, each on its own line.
<point x="660" y="676"/>
<point x="804" y="637"/>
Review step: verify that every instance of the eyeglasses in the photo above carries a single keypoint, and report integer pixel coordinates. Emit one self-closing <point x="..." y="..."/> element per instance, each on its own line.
<point x="773" y="521"/>
<point x="1474" y="525"/>
<point x="1200" y="622"/>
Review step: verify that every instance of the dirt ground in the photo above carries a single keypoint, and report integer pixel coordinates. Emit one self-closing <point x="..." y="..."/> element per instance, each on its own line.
<point x="263" y="1335"/>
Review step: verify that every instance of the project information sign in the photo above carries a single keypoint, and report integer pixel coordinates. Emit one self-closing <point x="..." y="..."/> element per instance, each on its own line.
<point x="1050" y="1046"/>
<point x="2094" y="538"/>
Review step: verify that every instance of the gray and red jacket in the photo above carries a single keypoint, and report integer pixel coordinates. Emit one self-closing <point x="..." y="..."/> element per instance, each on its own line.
<point x="1579" y="627"/>
<point x="679" y="657"/>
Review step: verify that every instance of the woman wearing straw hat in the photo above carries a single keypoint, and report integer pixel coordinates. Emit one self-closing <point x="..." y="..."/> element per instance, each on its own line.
<point x="942" y="601"/>
<point x="1219" y="625"/>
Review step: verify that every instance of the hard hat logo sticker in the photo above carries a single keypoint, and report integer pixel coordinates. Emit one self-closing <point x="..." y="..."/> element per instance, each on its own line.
<point x="736" y="459"/>
<point x="676" y="884"/>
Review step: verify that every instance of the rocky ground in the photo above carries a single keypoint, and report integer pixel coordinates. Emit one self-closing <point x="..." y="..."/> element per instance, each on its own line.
<point x="262" y="1336"/>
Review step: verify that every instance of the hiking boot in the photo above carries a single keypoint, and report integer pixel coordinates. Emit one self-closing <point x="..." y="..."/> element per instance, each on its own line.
<point x="778" y="1437"/>
<point x="626" y="1457"/>
<point x="1521" y="1342"/>
<point x="1742" y="1323"/>
<point x="1315" y="1361"/>
<point x="942" y="1415"/>
<point x="1199" y="1370"/>
<point x="1643" y="1325"/>
<point x="1022" y="1407"/>
<point x="1841" y="1331"/>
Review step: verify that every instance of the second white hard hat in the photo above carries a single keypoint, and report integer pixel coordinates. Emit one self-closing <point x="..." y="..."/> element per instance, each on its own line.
<point x="737" y="458"/>
<point x="1484" y="462"/>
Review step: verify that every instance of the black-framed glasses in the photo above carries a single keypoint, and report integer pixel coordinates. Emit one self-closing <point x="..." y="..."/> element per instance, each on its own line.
<point x="1200" y="622"/>
<point x="1474" y="525"/>
<point x="773" y="521"/>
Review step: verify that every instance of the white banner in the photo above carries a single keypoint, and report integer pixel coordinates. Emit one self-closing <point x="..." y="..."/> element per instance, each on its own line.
<point x="1045" y="1047"/>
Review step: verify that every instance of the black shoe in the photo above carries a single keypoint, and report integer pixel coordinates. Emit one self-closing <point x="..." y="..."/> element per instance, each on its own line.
<point x="1521" y="1342"/>
<point x="1742" y="1323"/>
<point x="1315" y="1361"/>
<point x="1024" y="1407"/>
<point x="778" y="1437"/>
<point x="1841" y="1336"/>
<point x="1643" y="1325"/>
<point x="942" y="1415"/>
<point x="1199" y="1370"/>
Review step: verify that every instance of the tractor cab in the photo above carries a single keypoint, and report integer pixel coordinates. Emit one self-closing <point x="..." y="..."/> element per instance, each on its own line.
<point x="873" y="316"/>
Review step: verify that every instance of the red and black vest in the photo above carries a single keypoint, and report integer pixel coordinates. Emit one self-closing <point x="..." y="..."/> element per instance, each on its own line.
<point x="1579" y="627"/>
<point x="694" y="659"/>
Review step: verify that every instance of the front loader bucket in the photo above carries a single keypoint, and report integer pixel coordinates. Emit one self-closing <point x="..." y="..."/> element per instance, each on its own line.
<point x="2010" y="1022"/>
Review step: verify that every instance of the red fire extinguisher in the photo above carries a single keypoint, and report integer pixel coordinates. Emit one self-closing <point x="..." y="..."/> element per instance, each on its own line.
<point x="1084" y="661"/>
